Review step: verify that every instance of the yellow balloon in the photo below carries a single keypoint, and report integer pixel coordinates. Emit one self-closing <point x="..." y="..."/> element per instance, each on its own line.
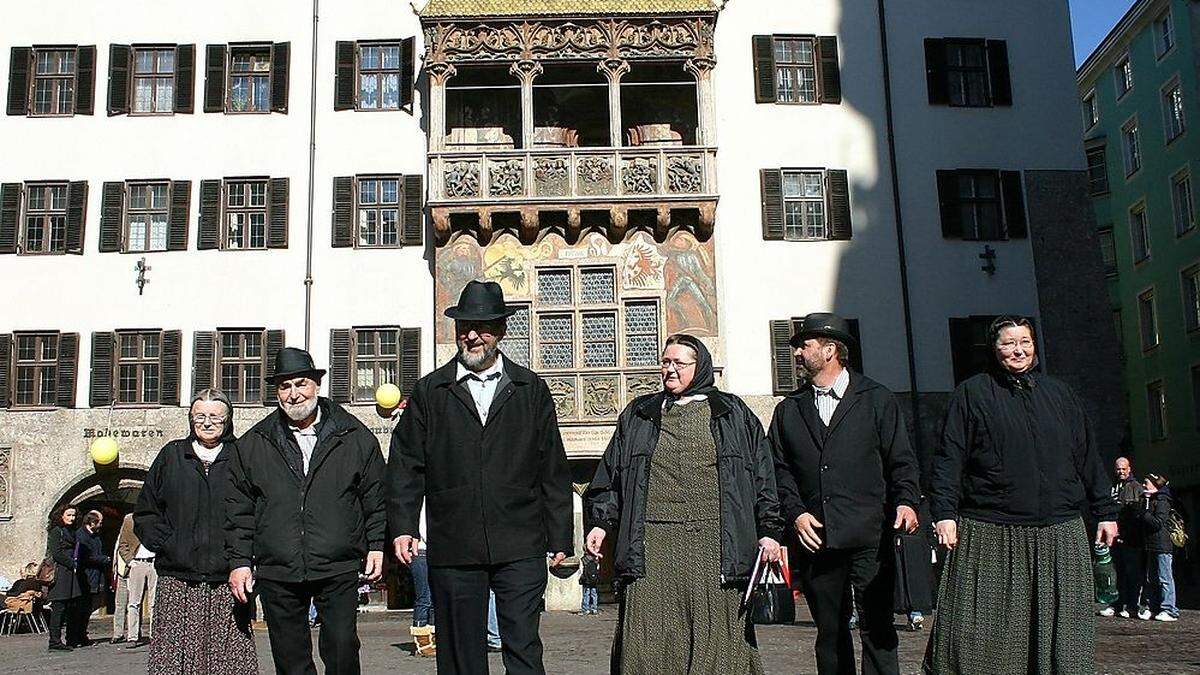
<point x="103" y="450"/>
<point x="387" y="395"/>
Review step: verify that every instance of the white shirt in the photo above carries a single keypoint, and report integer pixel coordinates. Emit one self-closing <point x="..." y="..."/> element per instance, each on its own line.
<point x="206" y="454"/>
<point x="684" y="400"/>
<point x="827" y="398"/>
<point x="143" y="553"/>
<point x="306" y="438"/>
<point x="482" y="385"/>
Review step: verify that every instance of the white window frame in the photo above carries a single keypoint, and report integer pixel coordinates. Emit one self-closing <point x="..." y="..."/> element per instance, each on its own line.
<point x="378" y="207"/>
<point x="1123" y="76"/>
<point x="1177" y="210"/>
<point x="1155" y="334"/>
<point x="1159" y="405"/>
<point x="130" y="213"/>
<point x="802" y="232"/>
<point x="156" y="77"/>
<point x="1139" y="209"/>
<point x="1161" y="47"/>
<point x="1091" y="111"/>
<point x="1131" y="153"/>
<point x="1191" y="314"/>
<point x="1170" y="121"/>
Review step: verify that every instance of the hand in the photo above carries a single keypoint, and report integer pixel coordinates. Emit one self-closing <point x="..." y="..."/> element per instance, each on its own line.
<point x="595" y="539"/>
<point x="557" y="559"/>
<point x="1106" y="533"/>
<point x="374" y="568"/>
<point x="906" y="518"/>
<point x="771" y="552"/>
<point x="241" y="583"/>
<point x="806" y="527"/>
<point x="947" y="532"/>
<point x="406" y="548"/>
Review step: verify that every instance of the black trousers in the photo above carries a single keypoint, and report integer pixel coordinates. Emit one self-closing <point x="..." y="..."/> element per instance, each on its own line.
<point x="460" y="602"/>
<point x="66" y="613"/>
<point x="827" y="577"/>
<point x="1130" y="565"/>
<point x="285" y="606"/>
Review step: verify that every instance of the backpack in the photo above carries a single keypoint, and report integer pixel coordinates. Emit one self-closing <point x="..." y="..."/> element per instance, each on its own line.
<point x="1179" y="536"/>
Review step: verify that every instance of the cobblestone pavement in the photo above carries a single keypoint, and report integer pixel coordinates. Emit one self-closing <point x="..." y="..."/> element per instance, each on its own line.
<point x="580" y="646"/>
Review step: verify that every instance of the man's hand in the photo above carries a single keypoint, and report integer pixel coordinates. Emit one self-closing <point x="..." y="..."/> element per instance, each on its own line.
<point x="557" y="559"/>
<point x="595" y="539"/>
<point x="906" y="518"/>
<point x="1106" y="533"/>
<point x="771" y="552"/>
<point x="406" y="548"/>
<point x="947" y="532"/>
<point x="806" y="527"/>
<point x="374" y="568"/>
<point x="241" y="583"/>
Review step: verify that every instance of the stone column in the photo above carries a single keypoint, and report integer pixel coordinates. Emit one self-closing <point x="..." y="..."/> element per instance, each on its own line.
<point x="526" y="70"/>
<point x="439" y="73"/>
<point x="614" y="69"/>
<point x="701" y="68"/>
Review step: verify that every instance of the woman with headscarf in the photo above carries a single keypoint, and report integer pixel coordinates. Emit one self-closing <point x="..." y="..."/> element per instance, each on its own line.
<point x="197" y="627"/>
<point x="687" y="487"/>
<point x="1016" y="465"/>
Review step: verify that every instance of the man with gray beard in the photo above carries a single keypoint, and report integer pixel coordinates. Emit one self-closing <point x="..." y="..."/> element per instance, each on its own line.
<point x="479" y="442"/>
<point x="305" y="518"/>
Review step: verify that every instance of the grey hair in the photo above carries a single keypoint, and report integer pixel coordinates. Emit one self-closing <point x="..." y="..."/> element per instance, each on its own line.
<point x="214" y="394"/>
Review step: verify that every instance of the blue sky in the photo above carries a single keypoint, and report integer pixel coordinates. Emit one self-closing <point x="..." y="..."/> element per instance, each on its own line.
<point x="1090" y="22"/>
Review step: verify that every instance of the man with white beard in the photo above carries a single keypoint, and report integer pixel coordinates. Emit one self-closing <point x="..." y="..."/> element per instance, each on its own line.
<point x="305" y="517"/>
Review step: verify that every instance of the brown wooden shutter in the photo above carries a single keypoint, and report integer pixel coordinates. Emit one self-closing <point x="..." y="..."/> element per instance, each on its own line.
<point x="935" y="71"/>
<point x="344" y="82"/>
<point x="112" y="216"/>
<point x="783" y="364"/>
<point x="177" y="219"/>
<point x="120" y="58"/>
<point x="947" y="187"/>
<point x="171" y="366"/>
<point x="275" y="342"/>
<point x="10" y="216"/>
<point x="830" y="68"/>
<point x="837" y="198"/>
<point x="214" y="78"/>
<point x="77" y="191"/>
<point x="20" y="67"/>
<point x="1014" y="205"/>
<point x="764" y="68"/>
<point x="185" y="79"/>
<point x="208" y="229"/>
<point x="339" y="365"/>
<point x="343" y="211"/>
<point x="204" y="358"/>
<point x="413" y="226"/>
<point x="407" y="65"/>
<point x="85" y="80"/>
<point x="280" y="60"/>
<point x="68" y="369"/>
<point x="277" y="217"/>
<point x="100" y="391"/>
<point x="998" y="73"/>
<point x="5" y="364"/>
<point x="410" y="360"/>
<point x="771" y="184"/>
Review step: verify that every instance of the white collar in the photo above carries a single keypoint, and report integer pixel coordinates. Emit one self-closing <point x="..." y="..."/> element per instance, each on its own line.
<point x="462" y="372"/>
<point x="839" y="386"/>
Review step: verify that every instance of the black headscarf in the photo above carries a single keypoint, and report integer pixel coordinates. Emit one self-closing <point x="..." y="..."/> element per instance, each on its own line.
<point x="703" y="378"/>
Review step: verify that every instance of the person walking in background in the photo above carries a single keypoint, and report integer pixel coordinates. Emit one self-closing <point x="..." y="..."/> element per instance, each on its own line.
<point x="67" y="590"/>
<point x="1016" y="465"/>
<point x="687" y="487"/>
<point x="93" y="566"/>
<point x="140" y="581"/>
<point x="423" y="629"/>
<point x="589" y="578"/>
<point x="1160" y="549"/>
<point x="180" y="516"/>
<point x="121" y="580"/>
<point x="848" y="481"/>
<point x="1128" y="553"/>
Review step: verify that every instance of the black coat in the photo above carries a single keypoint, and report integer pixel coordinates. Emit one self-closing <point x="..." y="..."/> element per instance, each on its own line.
<point x="1156" y="522"/>
<point x="852" y="475"/>
<point x="301" y="528"/>
<point x="68" y="581"/>
<point x="1130" y="529"/>
<point x="180" y="513"/>
<point x="749" y="502"/>
<point x="92" y="563"/>
<point x="494" y="493"/>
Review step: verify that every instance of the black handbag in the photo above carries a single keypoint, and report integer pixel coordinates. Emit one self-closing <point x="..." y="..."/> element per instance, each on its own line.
<point x="771" y="601"/>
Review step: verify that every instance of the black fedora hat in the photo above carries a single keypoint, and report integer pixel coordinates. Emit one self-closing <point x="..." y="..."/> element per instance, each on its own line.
<point x="826" y="325"/>
<point x="481" y="301"/>
<point x="293" y="362"/>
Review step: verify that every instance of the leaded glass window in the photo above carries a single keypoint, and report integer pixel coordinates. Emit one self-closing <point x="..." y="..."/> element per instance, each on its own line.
<point x="554" y="287"/>
<point x="597" y="285"/>
<point x="556" y="341"/>
<point x="599" y="340"/>
<point x="641" y="333"/>
<point x="516" y="337"/>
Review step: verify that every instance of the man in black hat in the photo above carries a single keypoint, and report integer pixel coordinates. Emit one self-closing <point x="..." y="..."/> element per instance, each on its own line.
<point x="848" y="480"/>
<point x="305" y="517"/>
<point x="479" y="442"/>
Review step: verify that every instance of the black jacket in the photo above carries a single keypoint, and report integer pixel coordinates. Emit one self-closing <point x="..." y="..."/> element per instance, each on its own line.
<point x="93" y="565"/>
<point x="617" y="495"/>
<point x="68" y="576"/>
<point x="852" y="475"/>
<point x="1018" y="451"/>
<point x="180" y="513"/>
<point x="301" y="528"/>
<point x="1156" y="521"/>
<point x="494" y="493"/>
<point x="1130" y="529"/>
<point x="589" y="574"/>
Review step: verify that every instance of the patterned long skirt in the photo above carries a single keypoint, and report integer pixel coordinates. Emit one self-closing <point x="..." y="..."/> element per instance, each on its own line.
<point x="200" y="629"/>
<point x="1014" y="601"/>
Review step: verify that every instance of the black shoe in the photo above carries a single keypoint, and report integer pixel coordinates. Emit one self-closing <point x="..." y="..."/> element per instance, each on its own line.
<point x="140" y="642"/>
<point x="60" y="647"/>
<point x="116" y="640"/>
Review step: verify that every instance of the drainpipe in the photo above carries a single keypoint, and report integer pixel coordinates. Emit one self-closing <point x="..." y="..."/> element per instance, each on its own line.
<point x="312" y="170"/>
<point x="899" y="216"/>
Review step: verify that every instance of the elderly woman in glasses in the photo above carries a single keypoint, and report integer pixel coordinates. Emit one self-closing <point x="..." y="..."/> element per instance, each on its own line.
<point x="198" y="628"/>
<point x="687" y="488"/>
<point x="1016" y="466"/>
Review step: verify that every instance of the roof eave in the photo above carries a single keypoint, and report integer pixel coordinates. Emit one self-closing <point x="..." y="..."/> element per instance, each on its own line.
<point x="1132" y="18"/>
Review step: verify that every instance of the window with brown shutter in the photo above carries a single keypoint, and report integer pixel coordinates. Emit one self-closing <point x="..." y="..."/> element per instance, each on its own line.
<point x="150" y="79"/>
<point x="214" y="78"/>
<point x="239" y="364"/>
<point x="177" y="217"/>
<point x="204" y="358"/>
<point x="5" y="364"/>
<point x="343" y="212"/>
<point x="981" y="204"/>
<point x="100" y="391"/>
<point x="47" y="216"/>
<point x="340" y="345"/>
<point x="377" y="211"/>
<point x="35" y="361"/>
<point x="20" y="69"/>
<point x="120" y="60"/>
<point x="796" y="69"/>
<point x="806" y="204"/>
<point x="10" y="216"/>
<point x="139" y="367"/>
<point x="968" y="72"/>
<point x="68" y="369"/>
<point x="383" y="355"/>
<point x="243" y="214"/>
<point x="277" y="224"/>
<point x="248" y="84"/>
<point x="280" y="61"/>
<point x="146" y="216"/>
<point x="59" y="81"/>
<point x="344" y="86"/>
<point x="412" y="225"/>
<point x="208" y="228"/>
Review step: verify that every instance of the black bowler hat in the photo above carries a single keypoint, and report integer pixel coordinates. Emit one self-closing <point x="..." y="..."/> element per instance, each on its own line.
<point x="826" y="325"/>
<point x="481" y="301"/>
<point x="292" y="362"/>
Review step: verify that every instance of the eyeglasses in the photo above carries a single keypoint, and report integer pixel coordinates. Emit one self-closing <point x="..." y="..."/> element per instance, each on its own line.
<point x="212" y="419"/>
<point x="1010" y="346"/>
<point x="677" y="366"/>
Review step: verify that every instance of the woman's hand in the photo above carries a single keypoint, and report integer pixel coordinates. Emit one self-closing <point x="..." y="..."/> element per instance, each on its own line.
<point x="770" y="549"/>
<point x="947" y="533"/>
<point x="595" y="539"/>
